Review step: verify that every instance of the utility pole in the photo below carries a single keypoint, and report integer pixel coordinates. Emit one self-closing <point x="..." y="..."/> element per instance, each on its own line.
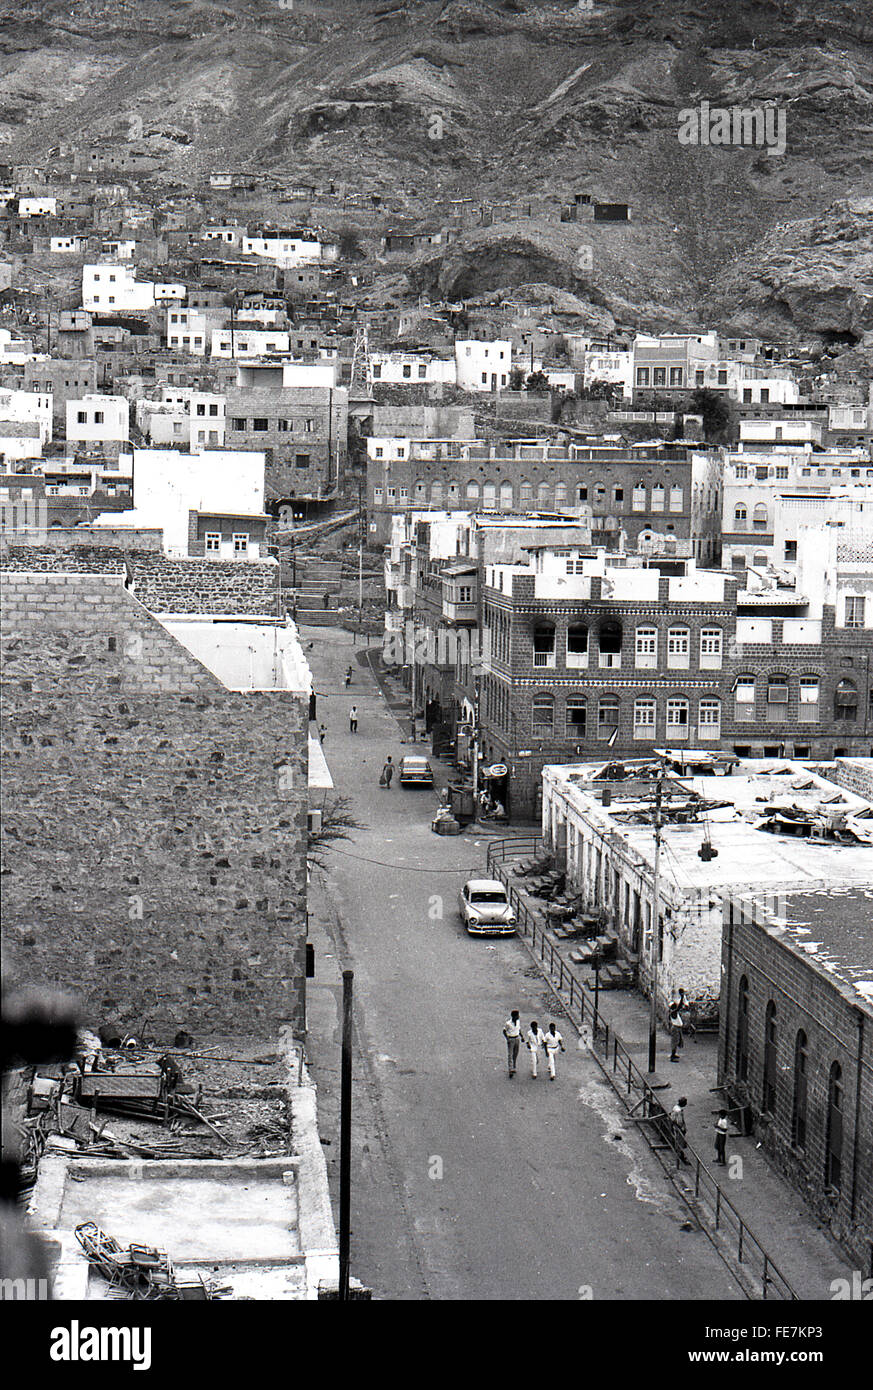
<point x="345" y="1138"/>
<point x="413" y="676"/>
<point x="656" y="915"/>
<point x="476" y="754"/>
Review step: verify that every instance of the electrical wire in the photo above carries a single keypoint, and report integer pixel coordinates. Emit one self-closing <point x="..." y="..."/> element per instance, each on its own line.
<point x="402" y="868"/>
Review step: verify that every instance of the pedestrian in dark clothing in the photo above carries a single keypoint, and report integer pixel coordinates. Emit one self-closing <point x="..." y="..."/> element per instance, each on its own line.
<point x="721" y="1134"/>
<point x="326" y="601"/>
<point x="353" y="719"/>
<point x="321" y="733"/>
<point x="387" y="773"/>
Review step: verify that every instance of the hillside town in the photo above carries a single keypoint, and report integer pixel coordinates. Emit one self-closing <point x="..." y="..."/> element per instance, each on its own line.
<point x="345" y="623"/>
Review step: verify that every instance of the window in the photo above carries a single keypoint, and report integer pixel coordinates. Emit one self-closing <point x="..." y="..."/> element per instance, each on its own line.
<point x="213" y="410"/>
<point x="646" y="648"/>
<point x="582" y="493"/>
<point x="377" y="494"/>
<point x="617" y="495"/>
<point x="282" y="426"/>
<point x="642" y="376"/>
<point x="489" y="495"/>
<point x="676" y="502"/>
<point x="213" y="541"/>
<point x="82" y="417"/>
<point x="768" y="1089"/>
<point x="201" y="408"/>
<point x="834" y="1131"/>
<point x="677" y="376"/>
<point x="237" y="423"/>
<point x="759" y="517"/>
<point x="436" y="494"/>
<point x="607" y="716"/>
<point x="677" y="718"/>
<point x="240" y="542"/>
<point x="740" y="517"/>
<point x="377" y="369"/>
<point x="742" y="1046"/>
<point x="678" y="648"/>
<point x="644" y="718"/>
<point x="798" y="1105"/>
<point x="846" y="701"/>
<point x="506" y="497"/>
<point x="260" y="423"/>
<point x="577" y="645"/>
<point x="525" y="493"/>
<point x="301" y="460"/>
<point x="710" y="648"/>
<point x="777" y="699"/>
<point x="854" y="610"/>
<point x="407" y="369"/>
<point x="543" y="496"/>
<point x="709" y="724"/>
<point x="638" y="498"/>
<point x="577" y="715"/>
<point x="422" y="370"/>
<point x="544" y="646"/>
<point x="472" y="490"/>
<point x="657" y="498"/>
<point x="560" y="494"/>
<point x="543" y="716"/>
<point x="810" y="690"/>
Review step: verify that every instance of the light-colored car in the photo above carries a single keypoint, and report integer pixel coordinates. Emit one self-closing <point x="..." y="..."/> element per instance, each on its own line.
<point x="416" y="772"/>
<point x="485" y="908"/>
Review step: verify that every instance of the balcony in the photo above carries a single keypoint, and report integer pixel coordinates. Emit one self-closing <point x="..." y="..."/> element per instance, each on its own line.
<point x="610" y="661"/>
<point x="544" y="660"/>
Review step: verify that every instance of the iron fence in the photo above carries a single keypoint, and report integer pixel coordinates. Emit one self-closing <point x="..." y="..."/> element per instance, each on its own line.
<point x="640" y="1100"/>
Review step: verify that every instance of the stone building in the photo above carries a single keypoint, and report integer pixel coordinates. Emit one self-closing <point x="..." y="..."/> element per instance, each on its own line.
<point x="303" y="431"/>
<point x="155" y="806"/>
<point x="796" y="1045"/>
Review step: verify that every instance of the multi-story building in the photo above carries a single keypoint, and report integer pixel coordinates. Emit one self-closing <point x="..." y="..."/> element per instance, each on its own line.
<point x="587" y="653"/>
<point x="63" y="380"/>
<point x="303" y="429"/>
<point x="483" y="365"/>
<point x="398" y="368"/>
<point x="28" y="407"/>
<point x="754" y="481"/>
<point x="98" y="419"/>
<point x="659" y="498"/>
<point x="244" y="340"/>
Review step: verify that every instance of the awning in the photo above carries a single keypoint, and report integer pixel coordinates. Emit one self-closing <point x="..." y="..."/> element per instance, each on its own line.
<point x="319" y="772"/>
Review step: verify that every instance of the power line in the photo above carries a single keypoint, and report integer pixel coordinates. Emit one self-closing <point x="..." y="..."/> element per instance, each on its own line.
<point x="403" y="868"/>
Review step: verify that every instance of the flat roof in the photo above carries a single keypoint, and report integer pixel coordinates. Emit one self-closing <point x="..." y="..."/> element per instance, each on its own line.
<point x="834" y="927"/>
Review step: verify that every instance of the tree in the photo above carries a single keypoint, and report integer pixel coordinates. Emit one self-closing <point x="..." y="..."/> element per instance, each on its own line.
<point x="716" y="412"/>
<point x="337" y="822"/>
<point x="516" y="379"/>
<point x="537" y="381"/>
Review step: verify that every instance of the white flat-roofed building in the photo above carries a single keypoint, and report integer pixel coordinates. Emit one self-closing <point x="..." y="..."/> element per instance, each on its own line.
<point x="31" y="407"/>
<point x="98" y="419"/>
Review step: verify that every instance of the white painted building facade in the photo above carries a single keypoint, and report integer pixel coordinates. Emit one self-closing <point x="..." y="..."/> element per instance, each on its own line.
<point x="97" y="419"/>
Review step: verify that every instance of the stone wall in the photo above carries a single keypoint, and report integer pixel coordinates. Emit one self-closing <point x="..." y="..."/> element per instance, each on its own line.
<point x="162" y="585"/>
<point x="154" y="821"/>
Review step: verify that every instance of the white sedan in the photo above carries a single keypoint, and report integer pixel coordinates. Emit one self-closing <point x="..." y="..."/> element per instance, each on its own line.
<point x="485" y="908"/>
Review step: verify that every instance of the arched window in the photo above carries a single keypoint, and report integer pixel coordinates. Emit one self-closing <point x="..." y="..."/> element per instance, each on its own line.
<point x="768" y="1089"/>
<point x="609" y="640"/>
<point x="740" y="518"/>
<point x="759" y="517"/>
<point x="678" y="648"/>
<point x="525" y="492"/>
<point x="677" y="719"/>
<point x="544" y="644"/>
<point x="777" y="699"/>
<point x="742" y="1049"/>
<point x="834" y="1129"/>
<point x="646" y="648"/>
<point x="436" y="494"/>
<point x="489" y="494"/>
<point x="577" y="646"/>
<point x="472" y="491"/>
<point x="544" y="496"/>
<point x="607" y="716"/>
<point x="543" y="716"/>
<point x="798" y="1108"/>
<point x="709" y="722"/>
<point x="506" y="497"/>
<point x="560" y="494"/>
<point x="421" y="492"/>
<point x="846" y="701"/>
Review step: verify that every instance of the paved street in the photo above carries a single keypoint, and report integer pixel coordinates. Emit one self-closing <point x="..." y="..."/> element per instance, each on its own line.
<point x="465" y="1185"/>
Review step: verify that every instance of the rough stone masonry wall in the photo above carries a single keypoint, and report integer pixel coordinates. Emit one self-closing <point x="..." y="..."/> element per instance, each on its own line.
<point x="154" y="822"/>
<point x="162" y="585"/>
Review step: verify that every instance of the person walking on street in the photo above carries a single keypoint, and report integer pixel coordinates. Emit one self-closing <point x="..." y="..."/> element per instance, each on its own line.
<point x="321" y="733"/>
<point x="326" y="600"/>
<point x="534" y="1039"/>
<point x="677" y="1028"/>
<point x="680" y="1128"/>
<point x="721" y="1134"/>
<point x="552" y="1042"/>
<point x="512" y="1034"/>
<point x="387" y="773"/>
<point x="353" y="719"/>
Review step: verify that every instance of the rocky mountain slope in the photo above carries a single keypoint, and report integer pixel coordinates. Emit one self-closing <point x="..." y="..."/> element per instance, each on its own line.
<point x="506" y="100"/>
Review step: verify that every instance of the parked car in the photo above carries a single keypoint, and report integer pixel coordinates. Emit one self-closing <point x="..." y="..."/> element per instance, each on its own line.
<point x="416" y="772"/>
<point x="485" y="908"/>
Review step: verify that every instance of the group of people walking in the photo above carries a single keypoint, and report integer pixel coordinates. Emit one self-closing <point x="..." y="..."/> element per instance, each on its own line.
<point x="551" y="1043"/>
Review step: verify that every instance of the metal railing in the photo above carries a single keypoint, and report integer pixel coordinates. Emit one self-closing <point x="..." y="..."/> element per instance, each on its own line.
<point x="674" y="1152"/>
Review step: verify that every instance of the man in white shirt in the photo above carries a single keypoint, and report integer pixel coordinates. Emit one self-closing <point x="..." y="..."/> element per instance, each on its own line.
<point x="534" y="1039"/>
<point x="552" y="1042"/>
<point x="512" y="1034"/>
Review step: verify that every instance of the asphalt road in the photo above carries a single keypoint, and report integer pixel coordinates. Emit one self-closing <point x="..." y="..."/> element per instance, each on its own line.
<point x="465" y="1184"/>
